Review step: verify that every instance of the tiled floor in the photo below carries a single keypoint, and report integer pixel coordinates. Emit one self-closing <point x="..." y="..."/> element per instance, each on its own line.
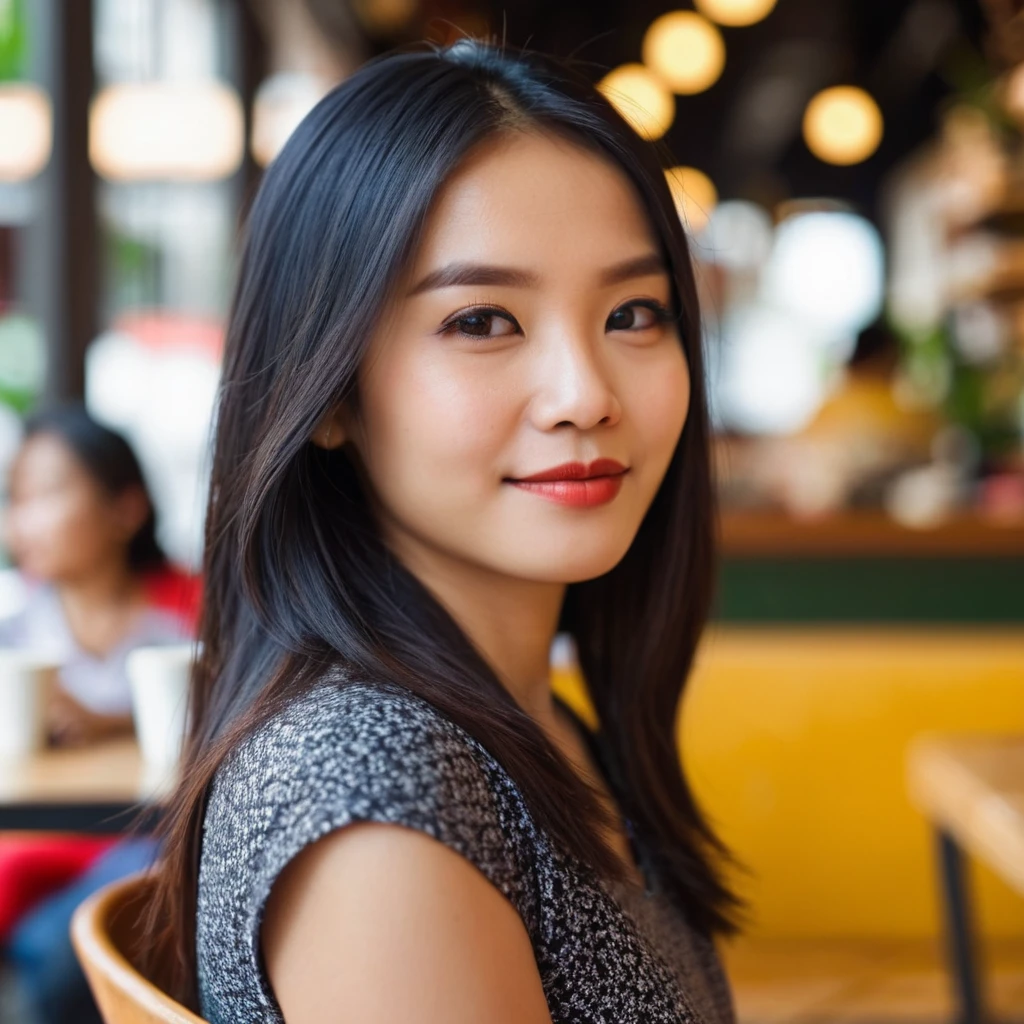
<point x="859" y="982"/>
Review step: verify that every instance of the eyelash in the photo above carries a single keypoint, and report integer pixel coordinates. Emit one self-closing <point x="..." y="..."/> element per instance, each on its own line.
<point x="662" y="315"/>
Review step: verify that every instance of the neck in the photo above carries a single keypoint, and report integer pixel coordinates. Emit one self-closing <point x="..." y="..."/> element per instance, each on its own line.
<point x="510" y="621"/>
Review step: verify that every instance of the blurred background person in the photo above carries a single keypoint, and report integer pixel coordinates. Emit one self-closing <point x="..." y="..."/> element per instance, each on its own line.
<point x="81" y="529"/>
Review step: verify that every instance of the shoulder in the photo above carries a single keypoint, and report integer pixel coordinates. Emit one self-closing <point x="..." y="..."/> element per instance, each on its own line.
<point x="344" y="928"/>
<point x="365" y="750"/>
<point x="351" y="752"/>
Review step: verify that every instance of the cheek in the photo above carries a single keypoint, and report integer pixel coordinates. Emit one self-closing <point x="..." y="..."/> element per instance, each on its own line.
<point x="657" y="403"/>
<point x="435" y="422"/>
<point x="60" y="532"/>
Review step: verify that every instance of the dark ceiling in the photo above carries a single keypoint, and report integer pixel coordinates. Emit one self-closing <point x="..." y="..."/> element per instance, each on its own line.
<point x="912" y="55"/>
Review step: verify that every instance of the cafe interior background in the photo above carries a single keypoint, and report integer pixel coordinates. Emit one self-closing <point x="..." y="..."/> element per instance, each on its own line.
<point x="852" y="176"/>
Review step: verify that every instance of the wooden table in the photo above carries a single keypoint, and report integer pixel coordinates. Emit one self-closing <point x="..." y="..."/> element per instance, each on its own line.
<point x="971" y="789"/>
<point x="99" y="789"/>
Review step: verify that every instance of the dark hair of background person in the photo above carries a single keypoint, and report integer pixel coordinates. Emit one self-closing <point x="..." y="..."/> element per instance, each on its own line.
<point x="109" y="459"/>
<point x="297" y="577"/>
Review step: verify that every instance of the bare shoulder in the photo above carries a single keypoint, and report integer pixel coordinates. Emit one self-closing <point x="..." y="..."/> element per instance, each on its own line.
<point x="382" y="923"/>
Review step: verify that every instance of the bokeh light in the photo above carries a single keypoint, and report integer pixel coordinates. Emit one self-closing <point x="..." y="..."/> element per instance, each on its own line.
<point x="384" y="16"/>
<point x="828" y="268"/>
<point x="770" y="377"/>
<point x="26" y="131"/>
<point x="735" y="13"/>
<point x="281" y="102"/>
<point x="685" y="51"/>
<point x="694" y="194"/>
<point x="739" y="235"/>
<point x="1013" y="94"/>
<point x="842" y="125"/>
<point x="640" y="98"/>
<point x="150" y="131"/>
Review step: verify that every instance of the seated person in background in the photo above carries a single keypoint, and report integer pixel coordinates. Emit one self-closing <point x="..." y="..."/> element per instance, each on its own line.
<point x="81" y="529"/>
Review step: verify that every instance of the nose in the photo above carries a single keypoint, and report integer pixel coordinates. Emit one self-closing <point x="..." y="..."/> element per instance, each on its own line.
<point x="574" y="387"/>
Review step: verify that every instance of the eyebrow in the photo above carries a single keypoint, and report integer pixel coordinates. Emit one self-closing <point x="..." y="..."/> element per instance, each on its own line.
<point x="453" y="274"/>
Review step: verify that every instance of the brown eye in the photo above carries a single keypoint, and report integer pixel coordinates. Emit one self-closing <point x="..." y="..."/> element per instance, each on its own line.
<point x="482" y="323"/>
<point x="637" y="316"/>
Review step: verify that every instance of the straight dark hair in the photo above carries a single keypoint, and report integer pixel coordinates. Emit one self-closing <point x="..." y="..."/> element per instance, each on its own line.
<point x="297" y="578"/>
<point x="110" y="460"/>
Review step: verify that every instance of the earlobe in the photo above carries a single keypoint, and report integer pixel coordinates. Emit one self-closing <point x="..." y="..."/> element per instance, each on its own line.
<point x="330" y="432"/>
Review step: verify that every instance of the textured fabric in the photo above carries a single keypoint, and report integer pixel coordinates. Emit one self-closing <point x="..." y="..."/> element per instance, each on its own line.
<point x="354" y="752"/>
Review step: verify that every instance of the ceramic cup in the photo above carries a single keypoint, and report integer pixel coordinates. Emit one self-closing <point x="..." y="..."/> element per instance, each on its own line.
<point x="26" y="679"/>
<point x="159" y="680"/>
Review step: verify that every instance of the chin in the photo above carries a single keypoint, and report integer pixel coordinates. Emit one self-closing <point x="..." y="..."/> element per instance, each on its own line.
<point x="574" y="562"/>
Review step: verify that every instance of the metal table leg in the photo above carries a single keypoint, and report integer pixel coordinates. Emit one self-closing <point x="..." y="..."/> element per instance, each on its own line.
<point x="961" y="949"/>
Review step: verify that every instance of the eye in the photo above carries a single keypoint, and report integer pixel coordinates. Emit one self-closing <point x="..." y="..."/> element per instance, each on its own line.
<point x="482" y="323"/>
<point x="638" y="316"/>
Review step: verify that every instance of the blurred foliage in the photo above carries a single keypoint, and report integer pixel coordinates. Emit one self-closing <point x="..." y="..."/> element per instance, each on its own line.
<point x="983" y="398"/>
<point x="22" y="362"/>
<point x="132" y="268"/>
<point x="13" y="39"/>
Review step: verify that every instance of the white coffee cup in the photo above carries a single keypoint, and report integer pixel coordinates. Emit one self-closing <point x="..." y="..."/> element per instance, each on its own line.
<point x="159" y="679"/>
<point x="26" y="679"/>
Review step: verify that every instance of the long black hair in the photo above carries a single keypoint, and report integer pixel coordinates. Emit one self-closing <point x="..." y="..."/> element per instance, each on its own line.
<point x="297" y="577"/>
<point x="109" y="459"/>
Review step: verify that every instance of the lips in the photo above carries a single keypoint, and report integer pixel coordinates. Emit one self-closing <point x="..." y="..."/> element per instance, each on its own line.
<point x="577" y="484"/>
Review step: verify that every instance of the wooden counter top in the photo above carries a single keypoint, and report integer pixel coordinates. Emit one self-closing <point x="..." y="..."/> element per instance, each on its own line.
<point x="766" y="534"/>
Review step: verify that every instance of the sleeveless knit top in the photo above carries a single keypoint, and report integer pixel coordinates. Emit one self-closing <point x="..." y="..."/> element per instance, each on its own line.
<point x="347" y="751"/>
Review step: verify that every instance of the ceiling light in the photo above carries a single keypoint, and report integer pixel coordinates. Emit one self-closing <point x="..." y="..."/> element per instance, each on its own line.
<point x="685" y="51"/>
<point x="26" y="131"/>
<point x="174" y="131"/>
<point x="640" y="98"/>
<point x="842" y="125"/>
<point x="281" y="102"/>
<point x="694" y="194"/>
<point x="735" y="13"/>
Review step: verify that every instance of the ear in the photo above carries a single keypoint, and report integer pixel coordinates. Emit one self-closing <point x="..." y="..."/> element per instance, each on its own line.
<point x="330" y="432"/>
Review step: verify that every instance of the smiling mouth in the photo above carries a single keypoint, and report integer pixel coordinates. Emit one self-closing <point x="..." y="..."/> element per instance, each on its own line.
<point x="576" y="484"/>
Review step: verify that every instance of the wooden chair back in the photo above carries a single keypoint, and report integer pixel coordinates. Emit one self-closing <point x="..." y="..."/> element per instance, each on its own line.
<point x="105" y="932"/>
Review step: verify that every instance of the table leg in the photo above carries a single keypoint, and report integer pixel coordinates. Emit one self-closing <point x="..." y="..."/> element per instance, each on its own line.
<point x="961" y="948"/>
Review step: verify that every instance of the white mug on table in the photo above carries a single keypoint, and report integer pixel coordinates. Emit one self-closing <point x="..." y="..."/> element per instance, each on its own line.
<point x="26" y="679"/>
<point x="159" y="678"/>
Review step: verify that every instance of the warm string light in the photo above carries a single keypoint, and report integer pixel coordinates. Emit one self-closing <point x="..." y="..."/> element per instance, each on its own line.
<point x="735" y="13"/>
<point x="640" y="98"/>
<point x="694" y="194"/>
<point x="842" y="125"/>
<point x="685" y="51"/>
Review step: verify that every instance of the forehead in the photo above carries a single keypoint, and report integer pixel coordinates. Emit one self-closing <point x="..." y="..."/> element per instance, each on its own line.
<point x="533" y="199"/>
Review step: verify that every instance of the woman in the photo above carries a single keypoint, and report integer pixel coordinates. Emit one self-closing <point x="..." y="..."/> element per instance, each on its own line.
<point x="463" y="408"/>
<point x="81" y="529"/>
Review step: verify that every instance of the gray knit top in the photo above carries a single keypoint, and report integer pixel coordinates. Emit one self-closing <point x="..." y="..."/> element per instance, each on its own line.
<point x="346" y="752"/>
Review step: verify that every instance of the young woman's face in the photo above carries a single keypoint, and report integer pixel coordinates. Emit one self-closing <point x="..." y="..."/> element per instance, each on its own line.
<point x="61" y="524"/>
<point x="533" y="331"/>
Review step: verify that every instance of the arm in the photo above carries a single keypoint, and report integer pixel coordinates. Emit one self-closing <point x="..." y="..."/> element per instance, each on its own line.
<point x="384" y="925"/>
<point x="70" y="723"/>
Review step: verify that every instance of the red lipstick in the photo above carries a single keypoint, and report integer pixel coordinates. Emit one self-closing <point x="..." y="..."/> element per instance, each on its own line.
<point x="576" y="483"/>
